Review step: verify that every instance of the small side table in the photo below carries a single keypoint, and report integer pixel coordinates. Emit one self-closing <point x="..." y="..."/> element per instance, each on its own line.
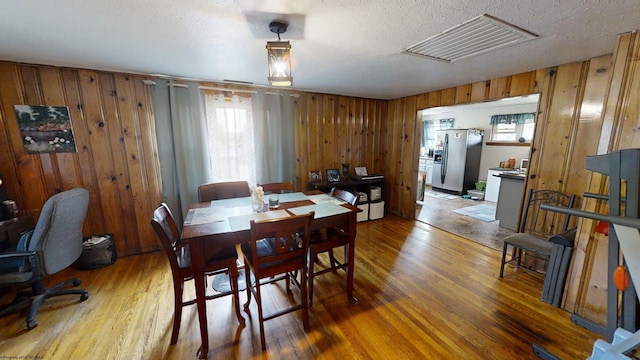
<point x="10" y="231"/>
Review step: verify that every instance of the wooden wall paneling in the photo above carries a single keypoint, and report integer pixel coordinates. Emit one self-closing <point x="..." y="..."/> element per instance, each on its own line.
<point x="19" y="171"/>
<point x="410" y="155"/>
<point x="80" y="170"/>
<point x="123" y="206"/>
<point x="99" y="126"/>
<point x="144" y="108"/>
<point x="521" y="84"/>
<point x="422" y="101"/>
<point x="558" y="124"/>
<point x="480" y="91"/>
<point x="392" y="153"/>
<point x="587" y="281"/>
<point x="301" y="143"/>
<point x="367" y="147"/>
<point x="463" y="94"/>
<point x="135" y="158"/>
<point x="590" y="123"/>
<point x="32" y="91"/>
<point x="329" y="150"/>
<point x="358" y="130"/>
<point x="630" y="105"/>
<point x="434" y="98"/>
<point x="343" y="131"/>
<point x="448" y="97"/>
<point x="611" y="116"/>
<point x="499" y="88"/>
<point x="313" y="134"/>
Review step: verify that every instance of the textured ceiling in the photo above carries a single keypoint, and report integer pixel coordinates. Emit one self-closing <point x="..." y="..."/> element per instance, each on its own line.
<point x="339" y="47"/>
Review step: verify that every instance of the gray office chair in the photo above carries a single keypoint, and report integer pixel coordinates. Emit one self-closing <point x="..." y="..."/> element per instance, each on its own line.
<point x="53" y="245"/>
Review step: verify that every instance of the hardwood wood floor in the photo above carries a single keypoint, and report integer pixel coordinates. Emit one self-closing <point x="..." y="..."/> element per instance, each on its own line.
<point x="424" y="294"/>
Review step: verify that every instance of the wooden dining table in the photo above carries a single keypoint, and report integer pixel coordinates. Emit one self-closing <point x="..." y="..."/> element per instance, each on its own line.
<point x="210" y="227"/>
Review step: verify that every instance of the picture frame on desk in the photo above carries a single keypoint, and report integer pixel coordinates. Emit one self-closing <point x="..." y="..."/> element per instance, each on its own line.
<point x="315" y="176"/>
<point x="333" y="175"/>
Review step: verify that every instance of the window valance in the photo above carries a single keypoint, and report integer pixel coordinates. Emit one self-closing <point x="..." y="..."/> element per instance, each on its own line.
<point x="524" y="118"/>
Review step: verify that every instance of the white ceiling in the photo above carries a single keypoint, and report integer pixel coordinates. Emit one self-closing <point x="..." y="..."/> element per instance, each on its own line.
<point x="338" y="46"/>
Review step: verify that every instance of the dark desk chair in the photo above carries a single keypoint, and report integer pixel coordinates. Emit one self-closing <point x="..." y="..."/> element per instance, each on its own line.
<point x="537" y="225"/>
<point x="277" y="251"/>
<point x="179" y="258"/>
<point x="329" y="239"/>
<point x="277" y="188"/>
<point x="223" y="190"/>
<point x="54" y="245"/>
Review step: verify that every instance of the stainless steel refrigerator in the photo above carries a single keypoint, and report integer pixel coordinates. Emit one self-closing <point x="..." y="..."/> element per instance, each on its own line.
<point x="456" y="161"/>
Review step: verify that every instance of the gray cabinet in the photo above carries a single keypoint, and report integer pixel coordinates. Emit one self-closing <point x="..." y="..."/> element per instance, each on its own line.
<point x="509" y="199"/>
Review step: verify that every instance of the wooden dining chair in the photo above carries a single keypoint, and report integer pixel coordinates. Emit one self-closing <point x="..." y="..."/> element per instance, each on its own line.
<point x="179" y="258"/>
<point x="278" y="251"/>
<point x="277" y="188"/>
<point x="329" y="239"/>
<point x="223" y="190"/>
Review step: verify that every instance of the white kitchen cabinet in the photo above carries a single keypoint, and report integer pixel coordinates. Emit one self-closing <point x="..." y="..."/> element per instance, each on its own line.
<point x="429" y="170"/>
<point x="493" y="185"/>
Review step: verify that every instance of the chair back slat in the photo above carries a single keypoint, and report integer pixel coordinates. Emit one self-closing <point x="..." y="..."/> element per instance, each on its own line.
<point x="223" y="190"/>
<point x="345" y="195"/>
<point x="165" y="227"/>
<point x="288" y="239"/>
<point x="277" y="188"/>
<point x="541" y="222"/>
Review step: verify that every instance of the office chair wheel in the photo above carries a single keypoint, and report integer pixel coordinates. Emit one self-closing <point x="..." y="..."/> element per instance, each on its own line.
<point x="31" y="324"/>
<point x="76" y="282"/>
<point x="84" y="296"/>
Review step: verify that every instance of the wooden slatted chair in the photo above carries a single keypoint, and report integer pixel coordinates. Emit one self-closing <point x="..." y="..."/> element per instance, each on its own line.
<point x="329" y="239"/>
<point x="179" y="258"/>
<point x="277" y="251"/>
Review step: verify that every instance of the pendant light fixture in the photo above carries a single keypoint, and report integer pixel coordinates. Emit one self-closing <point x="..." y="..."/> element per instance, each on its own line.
<point x="279" y="57"/>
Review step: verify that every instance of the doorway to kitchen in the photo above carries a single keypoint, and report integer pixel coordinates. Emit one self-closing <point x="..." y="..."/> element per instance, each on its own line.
<point x="507" y="139"/>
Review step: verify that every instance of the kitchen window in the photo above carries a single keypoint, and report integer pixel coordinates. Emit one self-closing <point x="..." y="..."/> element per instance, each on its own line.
<point x="429" y="128"/>
<point x="512" y="128"/>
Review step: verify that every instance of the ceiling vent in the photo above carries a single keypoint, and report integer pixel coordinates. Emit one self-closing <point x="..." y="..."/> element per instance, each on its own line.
<point x="477" y="36"/>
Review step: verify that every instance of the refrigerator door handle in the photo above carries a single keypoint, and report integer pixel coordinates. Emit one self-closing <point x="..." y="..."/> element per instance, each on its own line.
<point x="445" y="153"/>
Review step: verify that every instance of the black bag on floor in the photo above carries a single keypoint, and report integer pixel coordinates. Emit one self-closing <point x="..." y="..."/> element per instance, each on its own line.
<point x="97" y="251"/>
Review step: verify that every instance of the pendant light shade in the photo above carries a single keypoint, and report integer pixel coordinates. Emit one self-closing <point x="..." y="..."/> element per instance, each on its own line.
<point x="279" y="57"/>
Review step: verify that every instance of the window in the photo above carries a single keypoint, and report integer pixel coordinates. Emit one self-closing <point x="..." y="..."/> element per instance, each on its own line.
<point x="230" y="138"/>
<point x="512" y="127"/>
<point x="429" y="128"/>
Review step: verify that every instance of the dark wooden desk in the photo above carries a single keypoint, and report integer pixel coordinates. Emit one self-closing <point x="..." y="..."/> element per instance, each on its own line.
<point x="207" y="239"/>
<point x="10" y="231"/>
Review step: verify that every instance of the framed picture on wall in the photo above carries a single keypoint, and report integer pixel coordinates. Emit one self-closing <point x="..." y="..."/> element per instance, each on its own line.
<point x="45" y="129"/>
<point x="315" y="176"/>
<point x="333" y="175"/>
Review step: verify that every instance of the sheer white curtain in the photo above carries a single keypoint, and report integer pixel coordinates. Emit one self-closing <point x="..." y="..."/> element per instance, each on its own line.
<point x="230" y="134"/>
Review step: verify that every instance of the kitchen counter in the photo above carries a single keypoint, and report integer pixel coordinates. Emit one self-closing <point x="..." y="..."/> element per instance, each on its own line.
<point x="514" y="175"/>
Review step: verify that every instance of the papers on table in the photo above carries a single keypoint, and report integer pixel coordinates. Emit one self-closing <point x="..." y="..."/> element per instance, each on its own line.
<point x="321" y="210"/>
<point x="234" y="214"/>
<point x="324" y="198"/>
<point x="205" y="216"/>
<point x="238" y="223"/>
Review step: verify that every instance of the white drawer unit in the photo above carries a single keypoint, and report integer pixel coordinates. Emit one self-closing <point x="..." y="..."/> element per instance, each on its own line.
<point x="376" y="210"/>
<point x="376" y="193"/>
<point x="364" y="215"/>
